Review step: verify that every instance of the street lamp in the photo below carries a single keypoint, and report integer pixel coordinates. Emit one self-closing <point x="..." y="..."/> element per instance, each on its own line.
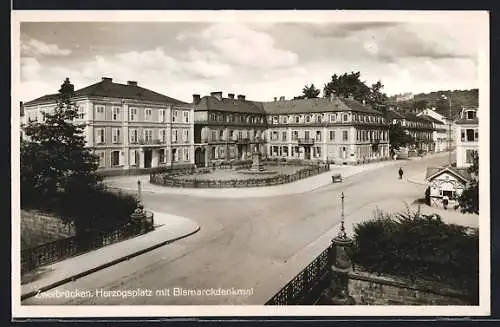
<point x="341" y="265"/>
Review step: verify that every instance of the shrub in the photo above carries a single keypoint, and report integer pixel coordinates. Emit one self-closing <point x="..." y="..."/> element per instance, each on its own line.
<point x="414" y="245"/>
<point x="96" y="209"/>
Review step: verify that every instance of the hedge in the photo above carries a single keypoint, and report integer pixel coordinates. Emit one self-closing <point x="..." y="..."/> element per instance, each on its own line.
<point x="418" y="246"/>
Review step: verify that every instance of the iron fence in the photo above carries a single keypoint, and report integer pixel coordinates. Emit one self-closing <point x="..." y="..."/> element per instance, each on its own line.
<point x="48" y="253"/>
<point x="307" y="286"/>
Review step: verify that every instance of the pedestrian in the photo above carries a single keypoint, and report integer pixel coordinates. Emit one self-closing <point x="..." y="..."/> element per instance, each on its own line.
<point x="400" y="173"/>
<point x="445" y="202"/>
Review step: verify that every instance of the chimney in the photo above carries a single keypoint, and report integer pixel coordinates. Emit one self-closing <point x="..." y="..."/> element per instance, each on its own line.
<point x="241" y="97"/>
<point x="230" y="95"/>
<point x="217" y="95"/>
<point x="196" y="99"/>
<point x="107" y="79"/>
<point x="132" y="83"/>
<point x="275" y="99"/>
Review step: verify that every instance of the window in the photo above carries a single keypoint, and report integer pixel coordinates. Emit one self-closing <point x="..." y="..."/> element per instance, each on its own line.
<point x="133" y="136"/>
<point x="81" y="112"/>
<point x="163" y="135"/>
<point x="332" y="117"/>
<point x="99" y="112"/>
<point x="231" y="135"/>
<point x="221" y="134"/>
<point x="175" y="136"/>
<point x="186" y="116"/>
<point x="115" y="158"/>
<point x="174" y="155"/>
<point x="468" y="156"/>
<point x="240" y="135"/>
<point x="161" y="116"/>
<point x="116" y="113"/>
<point x="162" y="155"/>
<point x="148" y="135"/>
<point x="186" y="154"/>
<point x="283" y="135"/>
<point x="319" y="118"/>
<point x="295" y="135"/>
<point x="133" y="114"/>
<point x="285" y="120"/>
<point x="116" y="135"/>
<point x="471" y="114"/>
<point x="102" y="159"/>
<point x="332" y="135"/>
<point x="148" y="114"/>
<point x="344" y="136"/>
<point x="275" y="119"/>
<point x="185" y="136"/>
<point x="274" y="136"/>
<point x="134" y="157"/>
<point x="175" y="114"/>
<point x="318" y="135"/>
<point x="344" y="117"/>
<point x="470" y="135"/>
<point x="101" y="135"/>
<point x="476" y="135"/>
<point x="214" y="136"/>
<point x="212" y="117"/>
<point x="306" y="135"/>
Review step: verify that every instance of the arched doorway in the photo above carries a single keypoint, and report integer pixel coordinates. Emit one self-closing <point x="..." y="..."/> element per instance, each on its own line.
<point x="199" y="157"/>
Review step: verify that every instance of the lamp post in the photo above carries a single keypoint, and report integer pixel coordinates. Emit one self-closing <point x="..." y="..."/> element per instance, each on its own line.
<point x="341" y="265"/>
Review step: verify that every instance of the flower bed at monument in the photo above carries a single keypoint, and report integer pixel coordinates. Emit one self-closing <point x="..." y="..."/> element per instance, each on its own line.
<point x="232" y="178"/>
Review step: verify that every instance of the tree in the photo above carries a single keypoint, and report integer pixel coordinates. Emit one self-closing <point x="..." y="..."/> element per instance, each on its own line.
<point x="398" y="137"/>
<point x="309" y="92"/>
<point x="469" y="199"/>
<point x="54" y="159"/>
<point x="350" y="85"/>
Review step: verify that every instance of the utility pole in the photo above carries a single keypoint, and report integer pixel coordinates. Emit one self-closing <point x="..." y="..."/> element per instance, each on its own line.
<point x="449" y="133"/>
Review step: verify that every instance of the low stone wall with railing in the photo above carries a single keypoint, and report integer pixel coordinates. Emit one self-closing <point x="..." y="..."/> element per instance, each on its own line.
<point x="61" y="249"/>
<point x="168" y="178"/>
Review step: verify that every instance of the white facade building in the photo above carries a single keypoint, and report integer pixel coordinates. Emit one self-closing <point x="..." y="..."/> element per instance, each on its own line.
<point x="127" y="126"/>
<point x="467" y="135"/>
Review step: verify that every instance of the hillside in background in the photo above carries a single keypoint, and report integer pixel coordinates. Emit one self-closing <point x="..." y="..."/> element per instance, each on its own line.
<point x="459" y="99"/>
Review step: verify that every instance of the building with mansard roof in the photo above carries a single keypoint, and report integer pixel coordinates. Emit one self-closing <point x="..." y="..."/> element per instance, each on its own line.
<point x="127" y="126"/>
<point x="334" y="129"/>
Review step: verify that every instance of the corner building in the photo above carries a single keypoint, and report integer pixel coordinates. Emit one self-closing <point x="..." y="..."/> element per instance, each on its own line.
<point x="128" y="127"/>
<point x="336" y="130"/>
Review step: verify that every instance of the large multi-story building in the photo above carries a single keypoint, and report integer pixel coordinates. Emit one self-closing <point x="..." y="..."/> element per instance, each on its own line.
<point x="227" y="128"/>
<point x="127" y="126"/>
<point x="335" y="129"/>
<point x="467" y="136"/>
<point x="448" y="124"/>
<point x="419" y="128"/>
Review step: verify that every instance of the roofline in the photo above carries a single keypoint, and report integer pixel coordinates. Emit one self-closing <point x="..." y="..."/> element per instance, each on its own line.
<point x="449" y="170"/>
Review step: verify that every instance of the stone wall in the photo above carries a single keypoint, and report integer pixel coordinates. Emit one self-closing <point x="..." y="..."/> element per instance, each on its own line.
<point x="375" y="290"/>
<point x="38" y="228"/>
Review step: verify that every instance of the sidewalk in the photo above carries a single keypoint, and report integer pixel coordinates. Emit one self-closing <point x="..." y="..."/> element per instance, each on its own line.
<point x="129" y="183"/>
<point x="418" y="178"/>
<point x="168" y="228"/>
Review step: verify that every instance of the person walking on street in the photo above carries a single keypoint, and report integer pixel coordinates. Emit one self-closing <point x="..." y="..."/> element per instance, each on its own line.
<point x="400" y="173"/>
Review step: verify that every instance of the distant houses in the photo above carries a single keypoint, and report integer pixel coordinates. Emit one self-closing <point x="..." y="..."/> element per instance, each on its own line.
<point x="446" y="184"/>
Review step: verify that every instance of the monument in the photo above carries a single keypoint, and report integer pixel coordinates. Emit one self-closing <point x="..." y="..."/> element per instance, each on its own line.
<point x="256" y="160"/>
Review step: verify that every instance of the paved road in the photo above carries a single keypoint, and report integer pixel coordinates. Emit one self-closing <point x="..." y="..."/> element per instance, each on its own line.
<point x="255" y="244"/>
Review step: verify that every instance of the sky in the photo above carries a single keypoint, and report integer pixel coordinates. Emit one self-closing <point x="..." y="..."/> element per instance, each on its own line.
<point x="261" y="60"/>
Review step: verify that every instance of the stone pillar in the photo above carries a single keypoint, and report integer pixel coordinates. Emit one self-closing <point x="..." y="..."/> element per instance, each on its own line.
<point x="341" y="265"/>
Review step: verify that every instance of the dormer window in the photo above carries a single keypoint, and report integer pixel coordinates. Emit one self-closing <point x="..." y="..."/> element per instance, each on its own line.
<point x="470" y="114"/>
<point x="308" y="119"/>
<point x="275" y="119"/>
<point x="297" y="119"/>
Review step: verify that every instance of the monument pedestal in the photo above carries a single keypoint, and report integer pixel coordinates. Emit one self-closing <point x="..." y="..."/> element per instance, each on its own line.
<point x="256" y="162"/>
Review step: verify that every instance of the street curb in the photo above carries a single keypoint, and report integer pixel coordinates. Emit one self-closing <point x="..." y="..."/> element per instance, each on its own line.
<point x="104" y="266"/>
<point x="416" y="182"/>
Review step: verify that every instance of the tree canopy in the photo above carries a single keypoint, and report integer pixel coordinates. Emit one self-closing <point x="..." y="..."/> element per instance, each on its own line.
<point x="398" y="137"/>
<point x="309" y="92"/>
<point x="469" y="200"/>
<point x="351" y="85"/>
